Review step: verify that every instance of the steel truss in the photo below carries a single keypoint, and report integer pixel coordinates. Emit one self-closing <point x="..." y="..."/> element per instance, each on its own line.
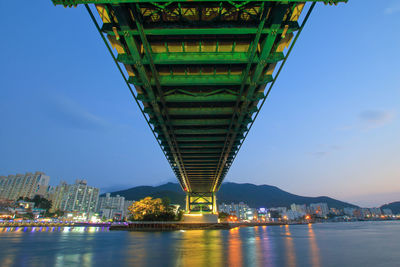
<point x="200" y="69"/>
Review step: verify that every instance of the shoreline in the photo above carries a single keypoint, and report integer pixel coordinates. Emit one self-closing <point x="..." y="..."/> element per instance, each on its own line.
<point x="177" y="226"/>
<point x="169" y="226"/>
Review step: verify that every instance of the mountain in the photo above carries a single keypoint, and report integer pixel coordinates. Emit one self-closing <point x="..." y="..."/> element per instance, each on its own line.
<point x="255" y="196"/>
<point x="171" y="190"/>
<point x="270" y="196"/>
<point x="394" y="206"/>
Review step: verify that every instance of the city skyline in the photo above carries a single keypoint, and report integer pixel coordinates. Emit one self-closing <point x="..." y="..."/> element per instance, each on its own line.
<point x="329" y="127"/>
<point x="371" y="201"/>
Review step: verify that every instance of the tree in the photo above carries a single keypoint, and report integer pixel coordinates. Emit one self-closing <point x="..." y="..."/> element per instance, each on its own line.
<point x="223" y="215"/>
<point x="41" y="202"/>
<point x="149" y="209"/>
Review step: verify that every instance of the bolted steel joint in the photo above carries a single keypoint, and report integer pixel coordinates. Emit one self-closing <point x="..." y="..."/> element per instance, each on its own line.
<point x="138" y="63"/>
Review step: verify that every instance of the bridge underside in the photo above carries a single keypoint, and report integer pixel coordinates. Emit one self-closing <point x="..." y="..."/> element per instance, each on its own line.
<point x="200" y="69"/>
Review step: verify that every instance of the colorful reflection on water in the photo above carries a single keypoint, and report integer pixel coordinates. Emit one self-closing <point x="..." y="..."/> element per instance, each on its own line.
<point x="78" y="229"/>
<point x="294" y="245"/>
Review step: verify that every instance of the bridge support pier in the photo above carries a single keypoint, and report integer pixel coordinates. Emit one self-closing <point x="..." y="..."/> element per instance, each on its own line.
<point x="201" y="202"/>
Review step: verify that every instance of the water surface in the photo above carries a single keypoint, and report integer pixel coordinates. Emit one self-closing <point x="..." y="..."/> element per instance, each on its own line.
<point x="328" y="244"/>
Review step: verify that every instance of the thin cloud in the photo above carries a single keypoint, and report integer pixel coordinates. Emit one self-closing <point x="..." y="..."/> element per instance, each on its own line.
<point x="69" y="113"/>
<point x="375" y="118"/>
<point x="395" y="8"/>
<point x="325" y="150"/>
<point x="370" y="119"/>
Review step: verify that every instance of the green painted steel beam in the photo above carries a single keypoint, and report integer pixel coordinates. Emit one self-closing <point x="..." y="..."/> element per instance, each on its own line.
<point x="200" y="173"/>
<point x="77" y="2"/>
<point x="266" y="49"/>
<point x="191" y="30"/>
<point x="199" y="98"/>
<point x="196" y="58"/>
<point x="187" y="80"/>
<point x="191" y="114"/>
<point x="199" y="131"/>
<point x="202" y="145"/>
<point x="191" y="162"/>
<point x="217" y="97"/>
<point x="198" y="156"/>
<point x="200" y="111"/>
<point x="200" y="151"/>
<point x="194" y="111"/>
<point x="200" y="168"/>
<point x="201" y="122"/>
<point x="132" y="46"/>
<point x="199" y="139"/>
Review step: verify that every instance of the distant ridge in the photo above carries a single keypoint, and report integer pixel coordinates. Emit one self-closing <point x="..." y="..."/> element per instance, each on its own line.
<point x="394" y="206"/>
<point x="255" y="196"/>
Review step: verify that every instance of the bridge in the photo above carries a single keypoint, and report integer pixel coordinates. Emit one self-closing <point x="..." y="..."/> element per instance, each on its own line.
<point x="201" y="71"/>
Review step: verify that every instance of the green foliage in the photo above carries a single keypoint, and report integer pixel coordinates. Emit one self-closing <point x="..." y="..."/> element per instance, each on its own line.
<point x="149" y="209"/>
<point x="166" y="202"/>
<point x="40" y="202"/>
<point x="223" y="215"/>
<point x="179" y="215"/>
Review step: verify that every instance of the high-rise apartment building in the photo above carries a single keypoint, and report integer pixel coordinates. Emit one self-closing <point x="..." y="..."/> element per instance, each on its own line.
<point x="241" y="210"/>
<point x="299" y="208"/>
<point x="78" y="197"/>
<point x="24" y="185"/>
<point x="110" y="207"/>
<point x="59" y="193"/>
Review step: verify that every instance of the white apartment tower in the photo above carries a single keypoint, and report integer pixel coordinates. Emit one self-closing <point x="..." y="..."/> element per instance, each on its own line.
<point x="79" y="197"/>
<point x="58" y="196"/>
<point x="23" y="185"/>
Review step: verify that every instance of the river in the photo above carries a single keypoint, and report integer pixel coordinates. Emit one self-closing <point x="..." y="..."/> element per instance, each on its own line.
<point x="325" y="244"/>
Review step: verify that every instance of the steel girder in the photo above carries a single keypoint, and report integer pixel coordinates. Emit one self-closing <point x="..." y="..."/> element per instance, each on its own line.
<point x="71" y="3"/>
<point x="200" y="69"/>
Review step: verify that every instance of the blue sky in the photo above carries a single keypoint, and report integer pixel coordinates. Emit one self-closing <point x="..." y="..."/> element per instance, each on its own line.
<point x="330" y="126"/>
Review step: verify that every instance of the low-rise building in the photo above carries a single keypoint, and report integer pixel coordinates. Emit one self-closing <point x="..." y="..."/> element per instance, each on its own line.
<point x="127" y="204"/>
<point x="319" y="209"/>
<point x="387" y="212"/>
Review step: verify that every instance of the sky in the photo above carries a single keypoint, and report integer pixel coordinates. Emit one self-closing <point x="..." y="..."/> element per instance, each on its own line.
<point x="330" y="126"/>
